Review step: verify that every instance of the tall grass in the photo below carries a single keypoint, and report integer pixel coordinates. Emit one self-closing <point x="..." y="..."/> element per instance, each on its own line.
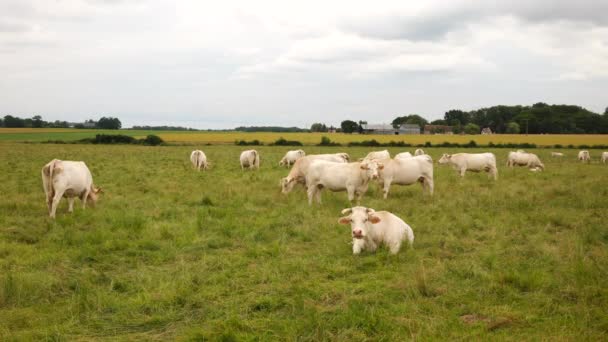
<point x="171" y="253"/>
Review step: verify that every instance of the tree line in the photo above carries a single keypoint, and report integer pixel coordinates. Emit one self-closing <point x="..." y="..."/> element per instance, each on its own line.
<point x="36" y="121"/>
<point x="540" y="118"/>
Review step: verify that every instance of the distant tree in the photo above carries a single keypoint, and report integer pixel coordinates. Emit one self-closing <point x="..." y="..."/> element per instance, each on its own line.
<point x="109" y="123"/>
<point x="413" y="119"/>
<point x="360" y="128"/>
<point x="457" y="117"/>
<point x="606" y="111"/>
<point x="439" y="122"/>
<point x="1" y="122"/>
<point x="512" y="127"/>
<point x="471" y="128"/>
<point x="13" y="121"/>
<point x="349" y="126"/>
<point x="318" y="127"/>
<point x="37" y="121"/>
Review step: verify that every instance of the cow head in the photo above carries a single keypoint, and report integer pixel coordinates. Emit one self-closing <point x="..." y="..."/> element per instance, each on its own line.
<point x="360" y="220"/>
<point x="287" y="184"/>
<point x="94" y="195"/>
<point x="371" y="168"/>
<point x="445" y="158"/>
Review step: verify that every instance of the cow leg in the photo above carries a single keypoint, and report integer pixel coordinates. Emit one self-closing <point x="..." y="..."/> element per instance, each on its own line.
<point x="311" y="193"/>
<point x="371" y="245"/>
<point x="386" y="188"/>
<point x="430" y="185"/>
<point x="84" y="198"/>
<point x="318" y="196"/>
<point x="358" y="245"/>
<point x="495" y="173"/>
<point x="462" y="171"/>
<point x="56" y="199"/>
<point x="71" y="204"/>
<point x="395" y="247"/>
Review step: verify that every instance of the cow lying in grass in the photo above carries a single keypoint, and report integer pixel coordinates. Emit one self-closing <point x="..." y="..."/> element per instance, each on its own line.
<point x="372" y="228"/>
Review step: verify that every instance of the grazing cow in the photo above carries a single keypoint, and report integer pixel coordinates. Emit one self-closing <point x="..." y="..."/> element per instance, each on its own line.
<point x="406" y="171"/>
<point x="584" y="156"/>
<point x="298" y="172"/>
<point x="403" y="155"/>
<point x="199" y="160"/>
<point x="370" y="228"/>
<point x="352" y="177"/>
<point x="419" y="152"/>
<point x="378" y="155"/>
<point x="604" y="157"/>
<point x="557" y="154"/>
<point x="291" y="157"/>
<point x="70" y="179"/>
<point x="475" y="162"/>
<point x="250" y="159"/>
<point x="520" y="158"/>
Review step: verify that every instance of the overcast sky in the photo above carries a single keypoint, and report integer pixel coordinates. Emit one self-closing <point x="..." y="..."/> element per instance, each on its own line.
<point x="220" y="64"/>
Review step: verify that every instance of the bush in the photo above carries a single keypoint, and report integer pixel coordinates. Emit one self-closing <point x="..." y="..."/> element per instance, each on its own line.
<point x="325" y="141"/>
<point x="152" y="140"/>
<point x="255" y="142"/>
<point x="375" y="143"/>
<point x="282" y="142"/>
<point x="512" y="127"/>
<point x="110" y="139"/>
<point x="472" y="128"/>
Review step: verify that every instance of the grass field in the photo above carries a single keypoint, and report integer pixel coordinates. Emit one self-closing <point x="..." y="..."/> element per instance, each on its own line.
<point x="29" y="134"/>
<point x="170" y="253"/>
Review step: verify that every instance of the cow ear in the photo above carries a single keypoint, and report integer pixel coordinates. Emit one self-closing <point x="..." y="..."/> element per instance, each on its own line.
<point x="98" y="190"/>
<point x="344" y="220"/>
<point x="380" y="166"/>
<point x="374" y="219"/>
<point x="364" y="167"/>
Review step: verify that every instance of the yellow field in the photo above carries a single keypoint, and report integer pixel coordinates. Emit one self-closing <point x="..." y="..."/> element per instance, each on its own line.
<point x="38" y="134"/>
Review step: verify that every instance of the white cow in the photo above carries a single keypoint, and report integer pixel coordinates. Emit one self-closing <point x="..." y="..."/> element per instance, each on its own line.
<point x="291" y="157"/>
<point x="584" y="156"/>
<point x="407" y="171"/>
<point x="557" y="154"/>
<point x="604" y="157"/>
<point x="352" y="177"/>
<point x="344" y="156"/>
<point x="70" y="179"/>
<point x="199" y="160"/>
<point x="520" y="158"/>
<point x="403" y="155"/>
<point x="370" y="228"/>
<point x="250" y="159"/>
<point x="297" y="174"/>
<point x="377" y="155"/>
<point x="475" y="162"/>
<point x="419" y="152"/>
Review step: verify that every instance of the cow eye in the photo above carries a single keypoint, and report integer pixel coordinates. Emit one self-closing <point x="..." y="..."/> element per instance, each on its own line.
<point x="365" y="220"/>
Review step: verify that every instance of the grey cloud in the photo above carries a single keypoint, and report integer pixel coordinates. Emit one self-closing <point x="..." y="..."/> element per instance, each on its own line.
<point x="435" y="24"/>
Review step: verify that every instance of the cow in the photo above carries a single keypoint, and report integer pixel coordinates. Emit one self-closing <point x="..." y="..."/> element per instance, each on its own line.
<point x="370" y="228"/>
<point x="419" y="152"/>
<point x="377" y="155"/>
<point x="584" y="156"/>
<point x="352" y="177"/>
<point x="199" y="160"/>
<point x="344" y="156"/>
<point x="403" y="155"/>
<point x="521" y="158"/>
<point x="475" y="162"/>
<point x="250" y="159"/>
<point x="297" y="174"/>
<point x="291" y="157"/>
<point x="69" y="179"/>
<point x="406" y="171"/>
<point x="557" y="154"/>
<point x="604" y="157"/>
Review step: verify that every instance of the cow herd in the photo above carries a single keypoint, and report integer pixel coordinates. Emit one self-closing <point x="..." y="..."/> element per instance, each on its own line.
<point x="334" y="172"/>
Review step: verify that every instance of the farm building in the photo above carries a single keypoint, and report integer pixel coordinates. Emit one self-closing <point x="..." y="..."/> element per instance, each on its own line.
<point x="438" y="129"/>
<point x="486" y="130"/>
<point x="388" y="129"/>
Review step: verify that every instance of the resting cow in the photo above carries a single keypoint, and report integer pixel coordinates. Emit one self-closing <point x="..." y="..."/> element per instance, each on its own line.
<point x="70" y="179"/>
<point x="521" y="158"/>
<point x="370" y="228"/>
<point x="584" y="156"/>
